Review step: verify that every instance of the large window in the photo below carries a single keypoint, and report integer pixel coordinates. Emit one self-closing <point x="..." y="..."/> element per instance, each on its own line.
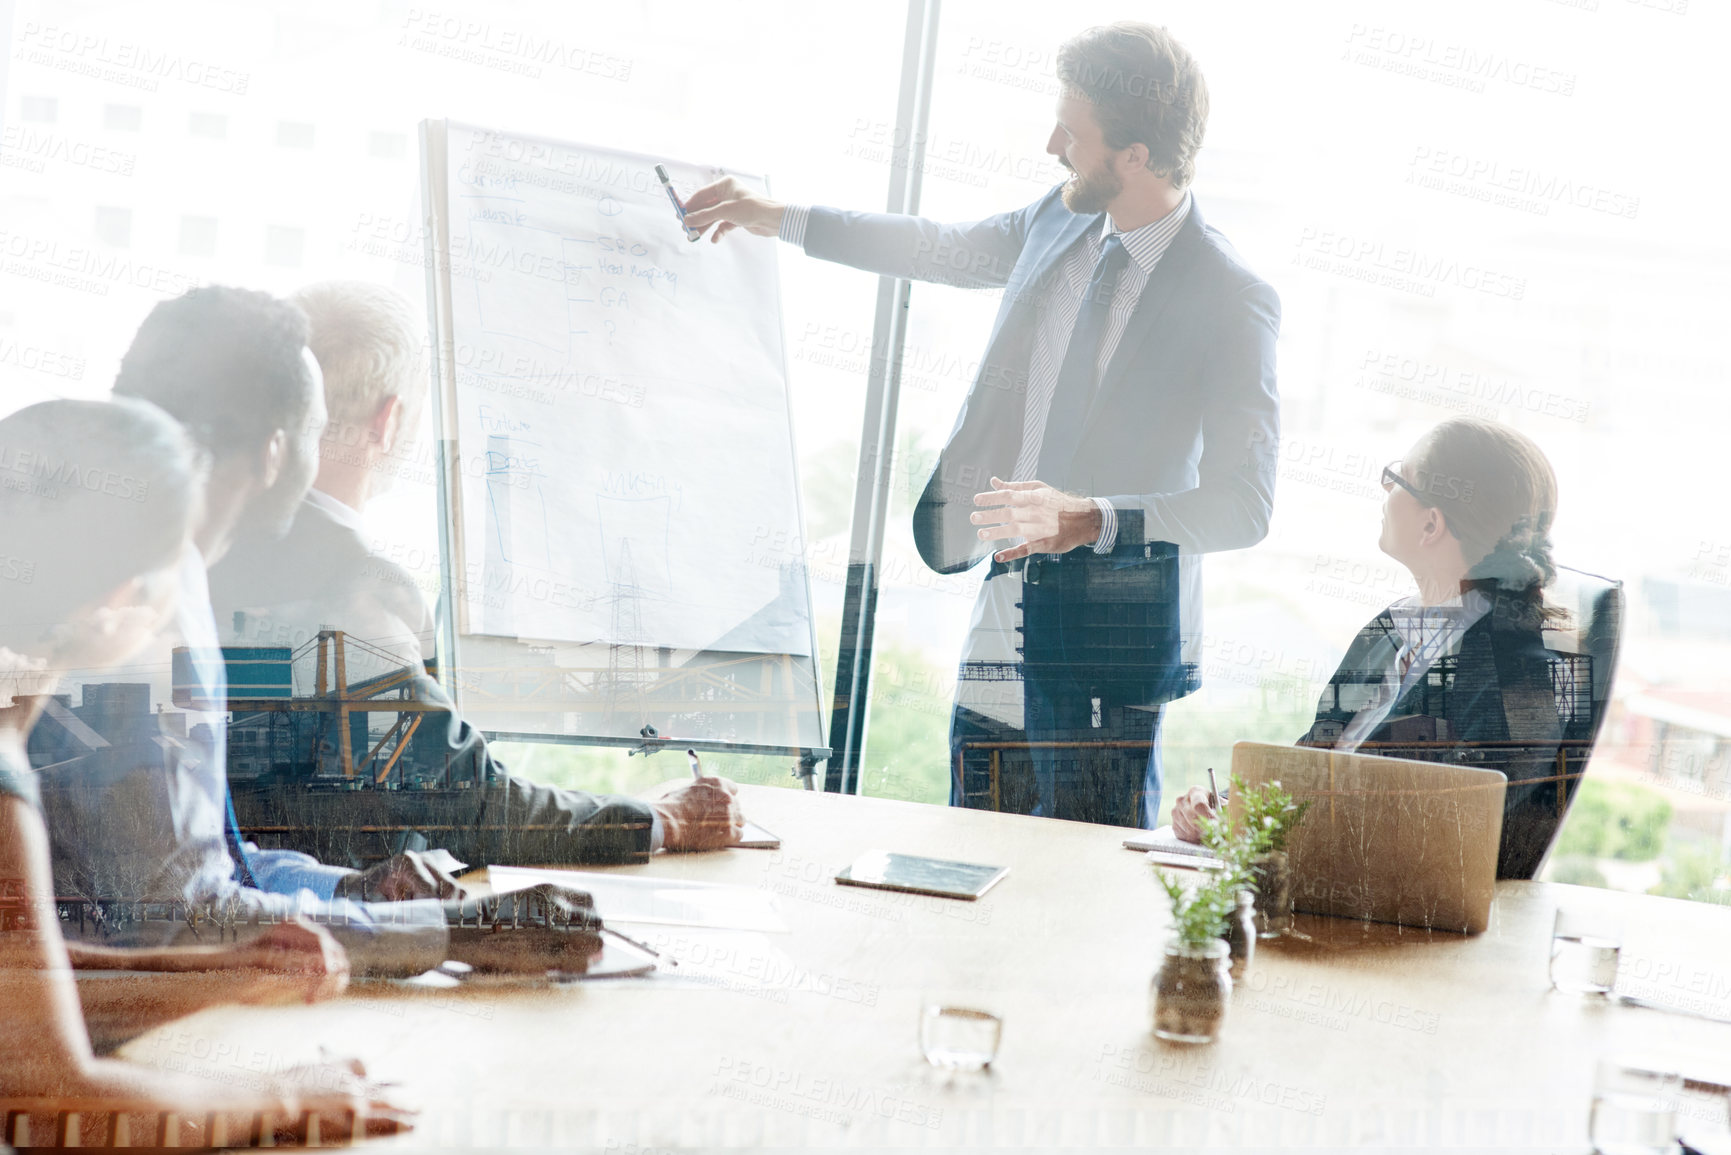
<point x="1506" y="209"/>
<point x="1497" y="210"/>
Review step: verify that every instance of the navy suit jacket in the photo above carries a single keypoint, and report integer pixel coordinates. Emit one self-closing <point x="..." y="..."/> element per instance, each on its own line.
<point x="1184" y="425"/>
<point x="1182" y="434"/>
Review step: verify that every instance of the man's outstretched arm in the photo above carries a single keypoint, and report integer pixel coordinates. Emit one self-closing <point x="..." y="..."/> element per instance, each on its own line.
<point x="978" y="254"/>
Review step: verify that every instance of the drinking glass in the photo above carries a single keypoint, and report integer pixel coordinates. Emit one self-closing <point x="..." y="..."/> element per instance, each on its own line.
<point x="1634" y="1108"/>
<point x="1584" y="952"/>
<point x="959" y="1033"/>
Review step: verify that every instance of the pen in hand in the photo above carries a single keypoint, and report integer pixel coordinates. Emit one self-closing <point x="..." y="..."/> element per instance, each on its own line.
<point x="696" y="765"/>
<point x="678" y="206"/>
<point x="1213" y="791"/>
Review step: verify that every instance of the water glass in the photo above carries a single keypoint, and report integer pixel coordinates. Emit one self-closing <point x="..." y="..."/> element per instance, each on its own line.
<point x="1634" y="1108"/>
<point x="957" y="1034"/>
<point x="1584" y="952"/>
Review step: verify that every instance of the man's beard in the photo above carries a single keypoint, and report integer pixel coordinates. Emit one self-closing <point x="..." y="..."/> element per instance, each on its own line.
<point x="1092" y="192"/>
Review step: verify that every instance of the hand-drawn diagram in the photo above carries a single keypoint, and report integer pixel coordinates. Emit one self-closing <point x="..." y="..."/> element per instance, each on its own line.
<point x="621" y="409"/>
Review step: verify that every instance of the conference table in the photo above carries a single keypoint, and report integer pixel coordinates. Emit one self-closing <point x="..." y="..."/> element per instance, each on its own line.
<point x="1355" y="1035"/>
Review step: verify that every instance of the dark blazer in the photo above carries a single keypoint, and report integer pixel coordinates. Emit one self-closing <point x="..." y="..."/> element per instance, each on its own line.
<point x="1184" y="427"/>
<point x="1501" y="691"/>
<point x="322" y="573"/>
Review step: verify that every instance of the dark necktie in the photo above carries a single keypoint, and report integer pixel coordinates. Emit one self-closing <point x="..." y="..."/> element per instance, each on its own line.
<point x="1074" y="392"/>
<point x="236" y="848"/>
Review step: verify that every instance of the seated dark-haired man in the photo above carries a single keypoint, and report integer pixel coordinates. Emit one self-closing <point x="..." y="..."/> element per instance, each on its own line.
<point x="282" y="590"/>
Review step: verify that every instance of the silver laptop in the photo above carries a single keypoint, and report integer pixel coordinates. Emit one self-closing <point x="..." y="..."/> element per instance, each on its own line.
<point x="1386" y="839"/>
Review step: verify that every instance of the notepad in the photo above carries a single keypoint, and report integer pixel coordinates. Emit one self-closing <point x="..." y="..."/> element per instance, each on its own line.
<point x="1163" y="840"/>
<point x="756" y="837"/>
<point x="939" y="877"/>
<point x="647" y="898"/>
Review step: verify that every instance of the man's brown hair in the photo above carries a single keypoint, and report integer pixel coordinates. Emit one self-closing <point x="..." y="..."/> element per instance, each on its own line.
<point x="1145" y="88"/>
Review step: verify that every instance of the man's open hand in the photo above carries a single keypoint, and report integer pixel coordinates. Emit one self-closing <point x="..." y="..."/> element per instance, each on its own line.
<point x="1050" y="520"/>
<point x="729" y="205"/>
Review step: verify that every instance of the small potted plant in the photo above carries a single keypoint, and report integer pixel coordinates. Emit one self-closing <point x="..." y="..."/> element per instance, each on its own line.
<point x="1192" y="984"/>
<point x="1269" y="817"/>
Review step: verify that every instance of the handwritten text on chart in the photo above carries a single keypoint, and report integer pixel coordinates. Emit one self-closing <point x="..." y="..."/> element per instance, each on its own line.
<point x="633" y="484"/>
<point x="492" y="421"/>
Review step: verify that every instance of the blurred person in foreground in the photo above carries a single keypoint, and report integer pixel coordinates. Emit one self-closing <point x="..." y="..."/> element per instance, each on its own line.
<point x="141" y="830"/>
<point x="106" y="504"/>
<point x="142" y="814"/>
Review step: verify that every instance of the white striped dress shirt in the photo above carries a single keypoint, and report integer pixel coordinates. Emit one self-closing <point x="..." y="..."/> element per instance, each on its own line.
<point x="1056" y="321"/>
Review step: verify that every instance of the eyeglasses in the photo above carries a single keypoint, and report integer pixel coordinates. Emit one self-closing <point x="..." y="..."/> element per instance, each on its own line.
<point x="1391" y="477"/>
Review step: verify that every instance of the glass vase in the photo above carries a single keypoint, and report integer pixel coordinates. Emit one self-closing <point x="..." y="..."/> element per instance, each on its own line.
<point x="1190" y="991"/>
<point x="1240" y="935"/>
<point x="1272" y="874"/>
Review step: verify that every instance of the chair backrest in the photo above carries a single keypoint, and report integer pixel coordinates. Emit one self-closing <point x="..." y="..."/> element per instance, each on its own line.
<point x="1586" y="645"/>
<point x="1584" y="649"/>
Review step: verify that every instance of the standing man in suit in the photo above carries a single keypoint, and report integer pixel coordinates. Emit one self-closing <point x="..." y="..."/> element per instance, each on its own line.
<point x="1125" y="412"/>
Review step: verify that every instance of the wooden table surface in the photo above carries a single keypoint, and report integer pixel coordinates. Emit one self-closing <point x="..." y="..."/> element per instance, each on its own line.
<point x="1364" y="1035"/>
